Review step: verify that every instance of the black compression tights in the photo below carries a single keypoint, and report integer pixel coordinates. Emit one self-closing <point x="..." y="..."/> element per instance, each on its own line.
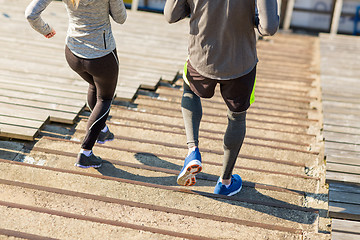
<point x="101" y="74"/>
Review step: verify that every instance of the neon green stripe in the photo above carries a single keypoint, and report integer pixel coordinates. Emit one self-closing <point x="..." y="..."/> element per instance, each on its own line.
<point x="185" y="73"/>
<point x="252" y="97"/>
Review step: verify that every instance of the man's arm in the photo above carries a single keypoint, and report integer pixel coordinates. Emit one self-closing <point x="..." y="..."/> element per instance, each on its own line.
<point x="175" y="10"/>
<point x="268" y="21"/>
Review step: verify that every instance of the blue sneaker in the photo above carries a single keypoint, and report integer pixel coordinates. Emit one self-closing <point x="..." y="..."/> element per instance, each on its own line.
<point x="234" y="188"/>
<point x="192" y="166"/>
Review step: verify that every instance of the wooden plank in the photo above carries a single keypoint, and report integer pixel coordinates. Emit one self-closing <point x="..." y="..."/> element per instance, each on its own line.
<point x="339" y="98"/>
<point x="346" y="72"/>
<point x="341" y="153"/>
<point x="347" y="92"/>
<point x="134" y="5"/>
<point x="21" y="122"/>
<point x="343" y="146"/>
<point x="342" y="160"/>
<point x="341" y="122"/>
<point x="144" y="75"/>
<point x="40" y="97"/>
<point x="40" y="104"/>
<point x="327" y="109"/>
<point x="77" y="84"/>
<point x="341" y="137"/>
<point x="34" y="112"/>
<point x="341" y="129"/>
<point x="288" y="14"/>
<point x="344" y="236"/>
<point x="344" y="187"/>
<point x="36" y="68"/>
<point x="342" y="177"/>
<point x="344" y="197"/>
<point x="58" y="85"/>
<point x="23" y="133"/>
<point x="43" y="91"/>
<point x="343" y="104"/>
<point x="344" y="210"/>
<point x="349" y="120"/>
<point x="7" y="109"/>
<point x="342" y="168"/>
<point x="131" y="60"/>
<point x="345" y="226"/>
<point x="331" y="80"/>
<point x="126" y="92"/>
<point x="124" y="96"/>
<point x="140" y="76"/>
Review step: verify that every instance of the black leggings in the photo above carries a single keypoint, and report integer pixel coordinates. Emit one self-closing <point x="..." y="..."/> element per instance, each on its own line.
<point x="101" y="74"/>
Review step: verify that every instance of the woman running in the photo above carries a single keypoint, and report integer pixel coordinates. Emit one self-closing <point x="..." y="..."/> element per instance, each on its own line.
<point x="91" y="52"/>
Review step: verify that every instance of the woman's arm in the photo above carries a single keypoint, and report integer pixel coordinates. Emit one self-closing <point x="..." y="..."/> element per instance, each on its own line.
<point x="268" y="21"/>
<point x="118" y="11"/>
<point x="32" y="14"/>
<point x="175" y="10"/>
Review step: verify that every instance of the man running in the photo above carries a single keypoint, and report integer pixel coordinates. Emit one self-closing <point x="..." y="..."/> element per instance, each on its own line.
<point x="222" y="50"/>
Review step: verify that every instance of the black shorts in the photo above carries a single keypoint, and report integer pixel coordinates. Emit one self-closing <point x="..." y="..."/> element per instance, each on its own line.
<point x="238" y="93"/>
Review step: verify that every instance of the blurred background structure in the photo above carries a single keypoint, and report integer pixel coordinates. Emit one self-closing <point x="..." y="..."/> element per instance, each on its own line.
<point x="340" y="16"/>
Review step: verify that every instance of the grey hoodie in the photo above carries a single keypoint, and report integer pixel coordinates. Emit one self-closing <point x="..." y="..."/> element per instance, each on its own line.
<point x="222" y="43"/>
<point x="89" y="33"/>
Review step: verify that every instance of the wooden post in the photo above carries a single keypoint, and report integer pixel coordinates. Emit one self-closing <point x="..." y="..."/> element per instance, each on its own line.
<point x="336" y="17"/>
<point x="288" y="14"/>
<point x="134" y="5"/>
<point x="279" y="6"/>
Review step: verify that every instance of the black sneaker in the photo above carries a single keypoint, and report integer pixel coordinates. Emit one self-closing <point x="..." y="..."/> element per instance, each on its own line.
<point x="105" y="137"/>
<point x="87" y="162"/>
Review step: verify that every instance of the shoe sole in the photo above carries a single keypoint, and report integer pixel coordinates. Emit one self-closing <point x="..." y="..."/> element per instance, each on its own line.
<point x="82" y="166"/>
<point x="103" y="142"/>
<point x="235" y="192"/>
<point x="187" y="176"/>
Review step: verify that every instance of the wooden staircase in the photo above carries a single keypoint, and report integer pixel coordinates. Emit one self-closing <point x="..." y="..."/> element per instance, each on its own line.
<point x="134" y="194"/>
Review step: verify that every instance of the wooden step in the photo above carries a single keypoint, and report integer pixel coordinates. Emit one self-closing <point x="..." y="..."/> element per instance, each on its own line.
<point x="345" y="229"/>
<point x="208" y="144"/>
<point x="344" y="201"/>
<point x="131" y="112"/>
<point x="120" y="186"/>
<point x="210" y="115"/>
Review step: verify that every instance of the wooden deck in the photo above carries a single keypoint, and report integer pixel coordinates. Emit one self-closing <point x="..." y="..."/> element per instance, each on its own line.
<point x="284" y="196"/>
<point x="37" y="86"/>
<point x="341" y="109"/>
<point x="134" y="194"/>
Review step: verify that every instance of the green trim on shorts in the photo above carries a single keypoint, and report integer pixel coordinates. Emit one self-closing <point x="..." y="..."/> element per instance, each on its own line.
<point x="252" y="97"/>
<point x="185" y="73"/>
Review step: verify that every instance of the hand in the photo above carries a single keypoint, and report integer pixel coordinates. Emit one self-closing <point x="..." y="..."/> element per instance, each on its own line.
<point x="50" y="35"/>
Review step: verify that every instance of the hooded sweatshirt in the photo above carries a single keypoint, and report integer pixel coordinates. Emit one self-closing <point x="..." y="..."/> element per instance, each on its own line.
<point x="222" y="42"/>
<point x="89" y="33"/>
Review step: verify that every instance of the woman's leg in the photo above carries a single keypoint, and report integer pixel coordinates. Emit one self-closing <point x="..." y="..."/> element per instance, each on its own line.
<point x="105" y="74"/>
<point x="101" y="74"/>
